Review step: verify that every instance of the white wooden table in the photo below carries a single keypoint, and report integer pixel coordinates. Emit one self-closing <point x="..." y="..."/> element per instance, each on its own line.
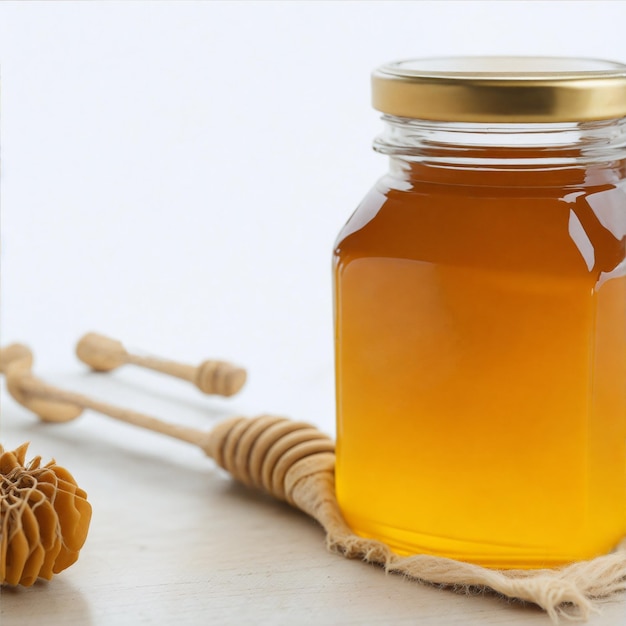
<point x="175" y="540"/>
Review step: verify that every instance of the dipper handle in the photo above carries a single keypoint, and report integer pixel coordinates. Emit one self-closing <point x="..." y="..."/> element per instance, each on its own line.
<point x="16" y="362"/>
<point x="104" y="354"/>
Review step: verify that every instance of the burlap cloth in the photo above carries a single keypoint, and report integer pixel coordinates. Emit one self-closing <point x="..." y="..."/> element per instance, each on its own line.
<point x="295" y="462"/>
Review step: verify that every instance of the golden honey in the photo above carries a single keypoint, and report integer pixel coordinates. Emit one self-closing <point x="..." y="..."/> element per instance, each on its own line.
<point x="480" y="316"/>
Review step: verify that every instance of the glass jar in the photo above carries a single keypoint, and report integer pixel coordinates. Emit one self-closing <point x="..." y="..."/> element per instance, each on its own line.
<point x="480" y="315"/>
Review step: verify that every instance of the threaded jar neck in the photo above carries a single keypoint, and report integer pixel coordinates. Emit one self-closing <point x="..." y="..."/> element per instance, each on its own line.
<point x="474" y="145"/>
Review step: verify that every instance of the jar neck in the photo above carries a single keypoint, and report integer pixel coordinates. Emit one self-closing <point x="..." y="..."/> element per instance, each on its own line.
<point x="414" y="145"/>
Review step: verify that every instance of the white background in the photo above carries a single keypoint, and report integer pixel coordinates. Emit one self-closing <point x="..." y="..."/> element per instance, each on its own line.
<point x="174" y="175"/>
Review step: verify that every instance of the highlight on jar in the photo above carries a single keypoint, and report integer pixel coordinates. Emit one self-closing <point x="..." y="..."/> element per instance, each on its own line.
<point x="480" y="314"/>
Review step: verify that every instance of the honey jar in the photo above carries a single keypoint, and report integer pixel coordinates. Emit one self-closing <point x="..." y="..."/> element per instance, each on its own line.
<point x="480" y="314"/>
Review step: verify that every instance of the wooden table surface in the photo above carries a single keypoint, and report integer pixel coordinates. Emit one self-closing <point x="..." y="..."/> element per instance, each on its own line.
<point x="174" y="540"/>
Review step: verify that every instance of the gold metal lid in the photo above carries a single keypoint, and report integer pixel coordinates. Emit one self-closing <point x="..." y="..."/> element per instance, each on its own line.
<point x="501" y="89"/>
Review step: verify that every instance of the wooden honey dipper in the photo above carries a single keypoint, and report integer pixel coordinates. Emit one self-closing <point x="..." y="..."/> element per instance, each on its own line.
<point x="104" y="354"/>
<point x="294" y="461"/>
<point x="280" y="456"/>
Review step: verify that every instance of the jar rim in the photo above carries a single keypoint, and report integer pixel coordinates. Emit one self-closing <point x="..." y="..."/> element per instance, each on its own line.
<point x="501" y="89"/>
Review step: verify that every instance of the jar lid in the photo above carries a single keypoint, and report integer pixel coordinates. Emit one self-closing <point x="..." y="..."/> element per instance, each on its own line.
<point x="501" y="89"/>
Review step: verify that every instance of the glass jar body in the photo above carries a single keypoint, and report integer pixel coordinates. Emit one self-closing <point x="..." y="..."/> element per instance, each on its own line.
<point x="480" y="319"/>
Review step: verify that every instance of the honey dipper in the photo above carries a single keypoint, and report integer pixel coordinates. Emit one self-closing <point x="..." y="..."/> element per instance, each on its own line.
<point x="44" y="514"/>
<point x="291" y="460"/>
<point x="294" y="461"/>
<point x="104" y="354"/>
